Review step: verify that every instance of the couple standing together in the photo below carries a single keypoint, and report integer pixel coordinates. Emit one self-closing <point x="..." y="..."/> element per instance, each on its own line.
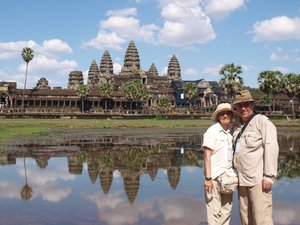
<point x="245" y="160"/>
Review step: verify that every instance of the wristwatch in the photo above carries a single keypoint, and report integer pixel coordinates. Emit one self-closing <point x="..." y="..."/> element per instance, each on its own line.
<point x="207" y="178"/>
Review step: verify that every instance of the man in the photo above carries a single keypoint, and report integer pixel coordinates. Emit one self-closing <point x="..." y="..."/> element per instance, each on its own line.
<point x="218" y="152"/>
<point x="255" y="159"/>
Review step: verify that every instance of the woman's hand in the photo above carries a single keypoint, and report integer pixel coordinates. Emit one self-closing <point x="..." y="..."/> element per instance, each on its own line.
<point x="208" y="185"/>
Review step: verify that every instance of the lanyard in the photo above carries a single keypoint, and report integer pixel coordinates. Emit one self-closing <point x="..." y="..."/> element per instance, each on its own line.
<point x="242" y="130"/>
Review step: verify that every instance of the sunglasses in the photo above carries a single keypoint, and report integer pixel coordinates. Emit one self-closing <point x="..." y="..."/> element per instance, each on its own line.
<point x="228" y="113"/>
<point x="244" y="104"/>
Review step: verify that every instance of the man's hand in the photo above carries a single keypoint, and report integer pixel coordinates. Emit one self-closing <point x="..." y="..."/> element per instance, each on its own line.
<point x="266" y="185"/>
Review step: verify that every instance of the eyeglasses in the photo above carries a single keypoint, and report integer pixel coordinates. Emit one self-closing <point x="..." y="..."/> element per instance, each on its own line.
<point x="244" y="104"/>
<point x="228" y="113"/>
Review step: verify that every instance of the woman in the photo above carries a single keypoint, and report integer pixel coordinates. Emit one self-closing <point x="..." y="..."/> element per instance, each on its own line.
<point x="218" y="152"/>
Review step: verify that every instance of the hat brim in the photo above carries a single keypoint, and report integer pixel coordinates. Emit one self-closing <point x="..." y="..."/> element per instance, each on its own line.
<point x="237" y="102"/>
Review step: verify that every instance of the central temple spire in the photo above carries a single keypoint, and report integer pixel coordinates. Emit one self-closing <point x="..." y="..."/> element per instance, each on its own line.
<point x="132" y="59"/>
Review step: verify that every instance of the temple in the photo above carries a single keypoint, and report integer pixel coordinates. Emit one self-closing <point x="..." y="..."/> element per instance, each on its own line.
<point x="43" y="98"/>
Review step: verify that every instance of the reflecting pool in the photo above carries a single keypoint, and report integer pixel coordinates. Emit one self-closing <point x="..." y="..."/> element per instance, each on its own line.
<point x="123" y="176"/>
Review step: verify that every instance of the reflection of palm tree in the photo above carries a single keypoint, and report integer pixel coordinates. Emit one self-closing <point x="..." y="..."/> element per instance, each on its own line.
<point x="26" y="192"/>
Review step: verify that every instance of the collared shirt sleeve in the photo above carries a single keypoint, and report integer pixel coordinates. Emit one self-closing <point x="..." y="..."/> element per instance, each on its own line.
<point x="271" y="148"/>
<point x="209" y="139"/>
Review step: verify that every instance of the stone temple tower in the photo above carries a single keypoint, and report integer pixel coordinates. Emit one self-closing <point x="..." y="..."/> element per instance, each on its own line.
<point x="153" y="70"/>
<point x="131" y="60"/>
<point x="106" y="68"/>
<point x="174" y="69"/>
<point x="75" y="80"/>
<point x="93" y="74"/>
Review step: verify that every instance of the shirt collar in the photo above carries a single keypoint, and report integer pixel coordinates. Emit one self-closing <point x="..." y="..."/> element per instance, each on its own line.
<point x="220" y="128"/>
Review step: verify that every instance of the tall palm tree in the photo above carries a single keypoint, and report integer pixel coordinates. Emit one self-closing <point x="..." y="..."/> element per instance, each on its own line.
<point x="106" y="89"/>
<point x="291" y="86"/>
<point x="190" y="91"/>
<point x="270" y="82"/>
<point x="27" y="55"/>
<point x="230" y="80"/>
<point x="82" y="92"/>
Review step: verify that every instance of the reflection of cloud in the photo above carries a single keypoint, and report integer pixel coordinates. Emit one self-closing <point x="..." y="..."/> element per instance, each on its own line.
<point x="52" y="193"/>
<point x="43" y="182"/>
<point x="286" y="213"/>
<point x="9" y="190"/>
<point x="42" y="177"/>
<point x="115" y="210"/>
<point x="176" y="209"/>
<point x="49" y="193"/>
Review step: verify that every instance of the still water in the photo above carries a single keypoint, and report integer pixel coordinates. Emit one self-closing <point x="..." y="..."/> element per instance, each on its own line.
<point x="123" y="176"/>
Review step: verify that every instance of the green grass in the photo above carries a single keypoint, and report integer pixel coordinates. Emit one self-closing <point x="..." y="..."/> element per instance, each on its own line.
<point x="11" y="128"/>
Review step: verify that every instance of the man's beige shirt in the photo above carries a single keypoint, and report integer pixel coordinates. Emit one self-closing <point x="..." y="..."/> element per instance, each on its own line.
<point x="258" y="151"/>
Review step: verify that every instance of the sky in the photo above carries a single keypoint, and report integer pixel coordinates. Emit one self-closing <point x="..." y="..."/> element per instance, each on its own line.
<point x="204" y="35"/>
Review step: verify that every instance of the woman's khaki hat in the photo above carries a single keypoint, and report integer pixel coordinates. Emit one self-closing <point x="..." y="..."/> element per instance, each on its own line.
<point x="243" y="96"/>
<point x="221" y="108"/>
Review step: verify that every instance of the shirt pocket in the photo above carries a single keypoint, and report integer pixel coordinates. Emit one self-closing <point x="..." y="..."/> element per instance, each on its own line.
<point x="221" y="143"/>
<point x="252" y="139"/>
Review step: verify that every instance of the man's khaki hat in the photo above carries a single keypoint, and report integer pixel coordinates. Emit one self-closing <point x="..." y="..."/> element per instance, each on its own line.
<point x="221" y="108"/>
<point x="243" y="96"/>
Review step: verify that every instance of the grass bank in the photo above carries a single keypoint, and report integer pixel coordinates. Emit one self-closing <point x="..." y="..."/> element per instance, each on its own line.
<point x="11" y="128"/>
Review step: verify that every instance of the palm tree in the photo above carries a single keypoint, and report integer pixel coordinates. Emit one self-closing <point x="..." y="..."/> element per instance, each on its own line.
<point x="135" y="91"/>
<point x="231" y="82"/>
<point x="106" y="89"/>
<point x="190" y="91"/>
<point x="291" y="86"/>
<point x="270" y="82"/>
<point x="164" y="103"/>
<point x="82" y="92"/>
<point x="27" y="55"/>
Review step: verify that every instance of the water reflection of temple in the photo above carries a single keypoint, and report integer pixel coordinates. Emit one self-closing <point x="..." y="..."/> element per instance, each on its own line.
<point x="134" y="156"/>
<point x="131" y="161"/>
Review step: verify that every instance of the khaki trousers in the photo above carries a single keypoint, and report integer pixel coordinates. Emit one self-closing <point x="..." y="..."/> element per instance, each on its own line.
<point x="255" y="205"/>
<point x="218" y="206"/>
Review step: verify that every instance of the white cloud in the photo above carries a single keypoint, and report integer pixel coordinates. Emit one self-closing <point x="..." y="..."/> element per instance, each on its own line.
<point x="164" y="71"/>
<point x="185" y="23"/>
<point x="55" y="46"/>
<point x="10" y="50"/>
<point x="276" y="29"/>
<point x="213" y="70"/>
<point x="42" y="63"/>
<point x="120" y="27"/>
<point x="281" y="69"/>
<point x="46" y="60"/>
<point x="106" y="40"/>
<point x="122" y="12"/>
<point x="247" y="68"/>
<point x="220" y="9"/>
<point x="276" y="57"/>
<point x="191" y="72"/>
<point x="117" y="68"/>
<point x="51" y="48"/>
